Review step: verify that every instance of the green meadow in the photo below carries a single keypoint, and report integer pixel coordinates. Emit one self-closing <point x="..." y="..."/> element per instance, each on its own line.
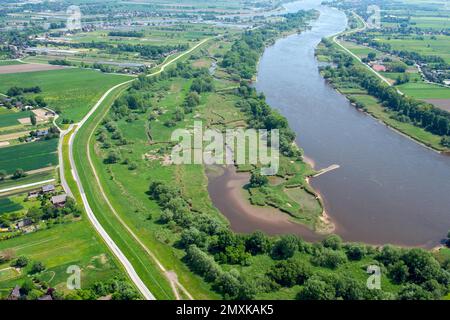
<point x="422" y="90"/>
<point x="74" y="91"/>
<point x="9" y="62"/>
<point x="57" y="248"/>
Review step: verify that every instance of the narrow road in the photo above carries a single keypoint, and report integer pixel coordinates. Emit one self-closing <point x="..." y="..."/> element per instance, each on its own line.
<point x="23" y="186"/>
<point x="101" y="231"/>
<point x="364" y="27"/>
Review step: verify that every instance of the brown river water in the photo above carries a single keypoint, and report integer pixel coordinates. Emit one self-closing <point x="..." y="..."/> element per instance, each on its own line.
<point x="388" y="188"/>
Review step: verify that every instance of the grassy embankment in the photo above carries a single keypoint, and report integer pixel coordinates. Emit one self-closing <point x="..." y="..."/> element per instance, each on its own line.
<point x="144" y="264"/>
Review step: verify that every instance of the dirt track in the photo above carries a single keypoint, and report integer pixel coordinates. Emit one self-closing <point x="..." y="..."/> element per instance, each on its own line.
<point x="28" y="67"/>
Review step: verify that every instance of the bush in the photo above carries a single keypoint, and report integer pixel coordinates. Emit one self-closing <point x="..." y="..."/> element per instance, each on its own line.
<point x="37" y="267"/>
<point x="285" y="247"/>
<point x="257" y="243"/>
<point x="329" y="258"/>
<point x="355" y="251"/>
<point x="20" y="262"/>
<point x="316" y="289"/>
<point x="290" y="272"/>
<point x="333" y="242"/>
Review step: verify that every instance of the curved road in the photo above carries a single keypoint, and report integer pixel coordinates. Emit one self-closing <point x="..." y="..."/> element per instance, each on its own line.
<point x="92" y="218"/>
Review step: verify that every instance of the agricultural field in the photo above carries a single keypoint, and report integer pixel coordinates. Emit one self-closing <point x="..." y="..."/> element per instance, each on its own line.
<point x="29" y="156"/>
<point x="72" y="91"/>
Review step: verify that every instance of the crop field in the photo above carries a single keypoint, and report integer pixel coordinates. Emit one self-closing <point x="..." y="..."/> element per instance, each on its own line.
<point x="428" y="46"/>
<point x="29" y="156"/>
<point x="58" y="248"/>
<point x="74" y="91"/>
<point x="10" y="118"/>
<point x="423" y="91"/>
<point x="6" y="206"/>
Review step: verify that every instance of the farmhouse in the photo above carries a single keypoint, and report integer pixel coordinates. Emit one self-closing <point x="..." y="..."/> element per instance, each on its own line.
<point x="41" y="133"/>
<point x="48" y="188"/>
<point x="33" y="194"/>
<point x="60" y="200"/>
<point x="379" y="68"/>
<point x="23" y="223"/>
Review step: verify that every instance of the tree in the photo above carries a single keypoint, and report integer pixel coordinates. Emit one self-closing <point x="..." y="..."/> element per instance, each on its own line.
<point x="19" y="173"/>
<point x="329" y="258"/>
<point x="258" y="180"/>
<point x="414" y="292"/>
<point x="355" y="251"/>
<point x="257" y="243"/>
<point x="21" y="262"/>
<point x="333" y="242"/>
<point x="285" y="247"/>
<point x="371" y="56"/>
<point x="7" y="255"/>
<point x="37" y="267"/>
<point x="33" y="119"/>
<point x="113" y="157"/>
<point x="229" y="285"/>
<point x="316" y="289"/>
<point x="290" y="272"/>
<point x="399" y="272"/>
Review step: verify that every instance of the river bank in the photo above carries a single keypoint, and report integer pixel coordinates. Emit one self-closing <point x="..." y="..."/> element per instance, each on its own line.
<point x="378" y="195"/>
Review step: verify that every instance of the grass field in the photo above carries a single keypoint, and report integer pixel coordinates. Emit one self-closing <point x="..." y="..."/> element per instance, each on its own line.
<point x="73" y="90"/>
<point x="10" y="118"/>
<point x="29" y="156"/>
<point x="58" y="248"/>
<point x="9" y="62"/>
<point x="422" y="90"/>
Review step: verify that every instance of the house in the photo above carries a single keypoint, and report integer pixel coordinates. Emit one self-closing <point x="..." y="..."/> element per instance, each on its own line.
<point x="15" y="293"/>
<point x="46" y="297"/>
<point x="33" y="194"/>
<point x="379" y="68"/>
<point x="48" y="188"/>
<point x="59" y="200"/>
<point x="23" y="223"/>
<point x="41" y="133"/>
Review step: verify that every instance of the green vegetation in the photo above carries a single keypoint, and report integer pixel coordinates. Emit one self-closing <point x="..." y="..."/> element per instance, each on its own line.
<point x="57" y="248"/>
<point x="70" y="91"/>
<point x="30" y="156"/>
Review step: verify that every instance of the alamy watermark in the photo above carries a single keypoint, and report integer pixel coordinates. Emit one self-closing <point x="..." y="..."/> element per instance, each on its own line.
<point x="374" y="19"/>
<point x="374" y="280"/>
<point x="74" y="18"/>
<point x="74" y="280"/>
<point x="234" y="146"/>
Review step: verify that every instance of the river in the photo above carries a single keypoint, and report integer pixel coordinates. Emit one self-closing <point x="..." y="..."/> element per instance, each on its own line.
<point x="388" y="188"/>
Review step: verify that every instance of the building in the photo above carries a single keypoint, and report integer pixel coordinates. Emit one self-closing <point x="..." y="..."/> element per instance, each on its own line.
<point x="41" y="133"/>
<point x="379" y="68"/>
<point x="59" y="200"/>
<point x="15" y="293"/>
<point x="33" y="194"/>
<point x="23" y="223"/>
<point x="48" y="188"/>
